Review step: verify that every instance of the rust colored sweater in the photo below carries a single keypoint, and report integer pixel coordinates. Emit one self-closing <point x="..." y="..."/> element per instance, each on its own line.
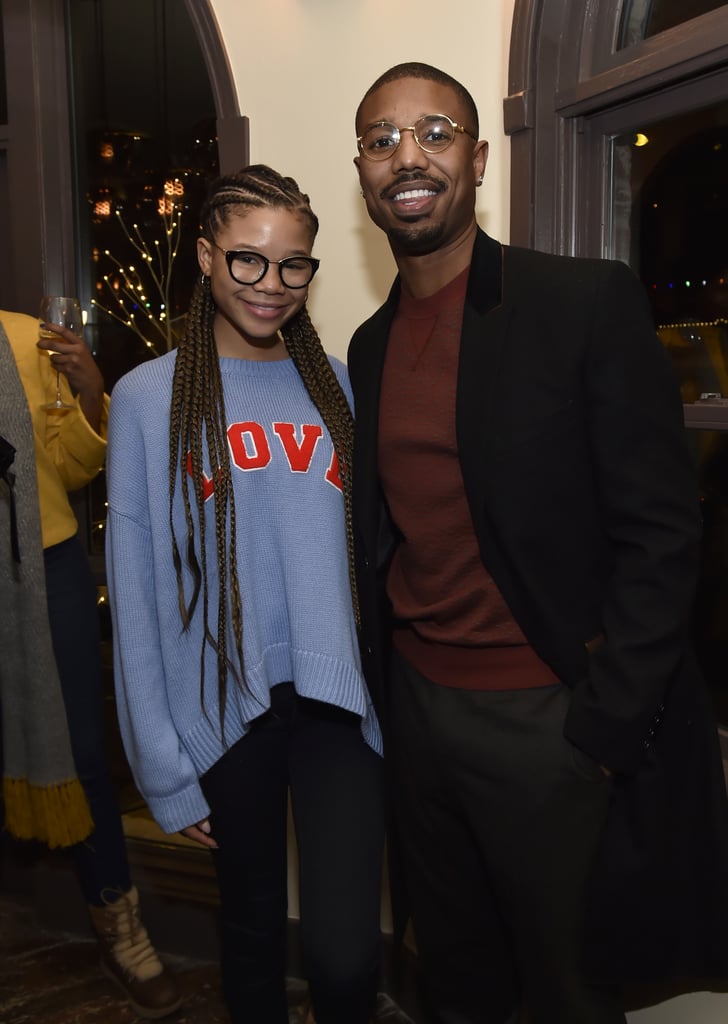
<point x="452" y="622"/>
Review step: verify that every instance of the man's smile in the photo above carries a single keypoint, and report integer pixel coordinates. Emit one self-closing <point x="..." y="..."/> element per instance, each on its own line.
<point x="415" y="193"/>
<point x="412" y="187"/>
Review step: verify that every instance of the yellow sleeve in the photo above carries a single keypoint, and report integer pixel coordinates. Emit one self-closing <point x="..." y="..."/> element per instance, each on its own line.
<point x="68" y="452"/>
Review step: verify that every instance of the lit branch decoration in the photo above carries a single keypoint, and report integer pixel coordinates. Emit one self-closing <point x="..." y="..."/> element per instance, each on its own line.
<point x="139" y="296"/>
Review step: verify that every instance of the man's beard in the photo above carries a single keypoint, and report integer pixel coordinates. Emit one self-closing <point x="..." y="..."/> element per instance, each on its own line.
<point x="415" y="240"/>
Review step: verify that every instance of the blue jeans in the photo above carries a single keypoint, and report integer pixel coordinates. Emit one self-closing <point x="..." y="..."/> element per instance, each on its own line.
<point x="100" y="860"/>
<point x="318" y="752"/>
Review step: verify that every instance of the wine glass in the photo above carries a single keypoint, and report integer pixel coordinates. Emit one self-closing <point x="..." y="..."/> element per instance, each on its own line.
<point x="66" y="311"/>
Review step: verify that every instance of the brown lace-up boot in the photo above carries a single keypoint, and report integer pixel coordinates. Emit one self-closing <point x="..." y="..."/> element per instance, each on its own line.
<point x="129" y="959"/>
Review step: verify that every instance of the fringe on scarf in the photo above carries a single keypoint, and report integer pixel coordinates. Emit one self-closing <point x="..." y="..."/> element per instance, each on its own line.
<point x="57" y="815"/>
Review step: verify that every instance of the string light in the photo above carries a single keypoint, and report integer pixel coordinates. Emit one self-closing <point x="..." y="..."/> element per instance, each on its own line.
<point x="129" y="291"/>
<point x="720" y="322"/>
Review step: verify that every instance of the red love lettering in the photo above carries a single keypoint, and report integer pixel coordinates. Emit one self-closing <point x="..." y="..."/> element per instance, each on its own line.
<point x="299" y="455"/>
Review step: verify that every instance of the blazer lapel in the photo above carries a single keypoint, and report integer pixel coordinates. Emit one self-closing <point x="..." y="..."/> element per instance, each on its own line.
<point x="373" y="338"/>
<point x="484" y="334"/>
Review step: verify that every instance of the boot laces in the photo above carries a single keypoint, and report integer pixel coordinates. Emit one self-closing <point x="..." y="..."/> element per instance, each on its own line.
<point x="130" y="942"/>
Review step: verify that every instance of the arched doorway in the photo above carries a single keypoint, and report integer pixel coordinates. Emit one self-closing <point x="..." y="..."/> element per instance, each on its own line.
<point x="99" y="111"/>
<point x="37" y="206"/>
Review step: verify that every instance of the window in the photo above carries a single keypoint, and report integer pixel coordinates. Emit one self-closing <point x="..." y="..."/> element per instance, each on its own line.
<point x="144" y="134"/>
<point x="619" y="129"/>
<point x="670" y="222"/>
<point x="144" y="129"/>
<point x="644" y="18"/>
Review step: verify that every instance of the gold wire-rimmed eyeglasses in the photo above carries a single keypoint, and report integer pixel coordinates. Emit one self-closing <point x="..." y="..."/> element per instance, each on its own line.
<point x="433" y="133"/>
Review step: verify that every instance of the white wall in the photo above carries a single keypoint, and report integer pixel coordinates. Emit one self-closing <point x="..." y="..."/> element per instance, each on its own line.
<point x="302" y="66"/>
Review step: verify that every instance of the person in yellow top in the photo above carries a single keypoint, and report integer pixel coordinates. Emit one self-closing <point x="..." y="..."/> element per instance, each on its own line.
<point x="70" y="447"/>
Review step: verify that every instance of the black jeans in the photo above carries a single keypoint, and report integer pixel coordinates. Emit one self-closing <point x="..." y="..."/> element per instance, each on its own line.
<point x="100" y="860"/>
<point x="318" y="752"/>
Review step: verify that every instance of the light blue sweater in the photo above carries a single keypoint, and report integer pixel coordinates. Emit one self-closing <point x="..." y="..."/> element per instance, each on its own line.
<point x="298" y="622"/>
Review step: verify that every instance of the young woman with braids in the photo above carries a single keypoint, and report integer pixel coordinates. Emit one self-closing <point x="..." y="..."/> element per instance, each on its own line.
<point x="236" y="657"/>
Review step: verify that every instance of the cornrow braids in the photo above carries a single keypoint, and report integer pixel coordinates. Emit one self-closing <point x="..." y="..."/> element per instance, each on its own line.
<point x="198" y="426"/>
<point x="256" y="186"/>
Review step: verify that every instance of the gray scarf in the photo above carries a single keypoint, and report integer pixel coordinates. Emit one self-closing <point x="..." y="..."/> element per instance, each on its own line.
<point x="43" y="798"/>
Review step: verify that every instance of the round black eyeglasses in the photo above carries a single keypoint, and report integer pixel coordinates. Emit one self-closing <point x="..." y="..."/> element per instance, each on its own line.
<point x="250" y="267"/>
<point x="433" y="133"/>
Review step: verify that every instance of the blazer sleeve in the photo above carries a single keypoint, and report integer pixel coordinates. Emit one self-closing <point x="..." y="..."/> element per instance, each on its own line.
<point x="648" y="500"/>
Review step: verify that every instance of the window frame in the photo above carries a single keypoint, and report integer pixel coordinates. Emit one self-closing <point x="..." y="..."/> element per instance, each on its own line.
<point x="570" y="91"/>
<point x="37" y="179"/>
<point x="564" y="72"/>
<point x="37" y="201"/>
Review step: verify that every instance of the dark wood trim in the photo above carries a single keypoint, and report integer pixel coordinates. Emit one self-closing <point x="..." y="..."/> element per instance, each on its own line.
<point x="545" y="41"/>
<point x="518" y="120"/>
<point x="517" y="112"/>
<point x="215" y="57"/>
<point x="37" y="141"/>
<point x="232" y="129"/>
<point x="707" y="415"/>
<point x="674" y="56"/>
<point x="39" y="152"/>
<point x="566" y="79"/>
<point x="233" y="143"/>
<point x="173" y="870"/>
<point x="696" y="38"/>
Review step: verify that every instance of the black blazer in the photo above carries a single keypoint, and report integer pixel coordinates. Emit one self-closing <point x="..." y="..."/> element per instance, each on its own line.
<point x="584" y="500"/>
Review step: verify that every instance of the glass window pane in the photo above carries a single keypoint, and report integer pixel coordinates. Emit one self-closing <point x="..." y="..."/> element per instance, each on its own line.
<point x="144" y="125"/>
<point x="644" y="18"/>
<point x="670" y="222"/>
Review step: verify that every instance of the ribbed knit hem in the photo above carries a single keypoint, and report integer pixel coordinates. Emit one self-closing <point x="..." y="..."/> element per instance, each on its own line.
<point x="177" y="811"/>
<point x="319" y="677"/>
<point x="57" y="815"/>
<point x="315" y="675"/>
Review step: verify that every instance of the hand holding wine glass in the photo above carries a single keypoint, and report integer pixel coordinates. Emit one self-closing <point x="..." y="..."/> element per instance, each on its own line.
<point x="59" y="311"/>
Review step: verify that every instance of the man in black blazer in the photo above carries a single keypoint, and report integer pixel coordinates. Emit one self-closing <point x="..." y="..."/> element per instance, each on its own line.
<point x="527" y="530"/>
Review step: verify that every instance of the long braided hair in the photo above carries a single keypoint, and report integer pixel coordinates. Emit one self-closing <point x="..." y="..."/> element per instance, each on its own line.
<point x="198" y="424"/>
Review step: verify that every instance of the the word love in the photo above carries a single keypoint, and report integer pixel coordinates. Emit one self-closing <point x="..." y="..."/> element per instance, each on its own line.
<point x="252" y="449"/>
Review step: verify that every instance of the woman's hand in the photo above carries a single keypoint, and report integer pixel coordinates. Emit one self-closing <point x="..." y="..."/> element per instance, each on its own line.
<point x="72" y="357"/>
<point x="200" y="833"/>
